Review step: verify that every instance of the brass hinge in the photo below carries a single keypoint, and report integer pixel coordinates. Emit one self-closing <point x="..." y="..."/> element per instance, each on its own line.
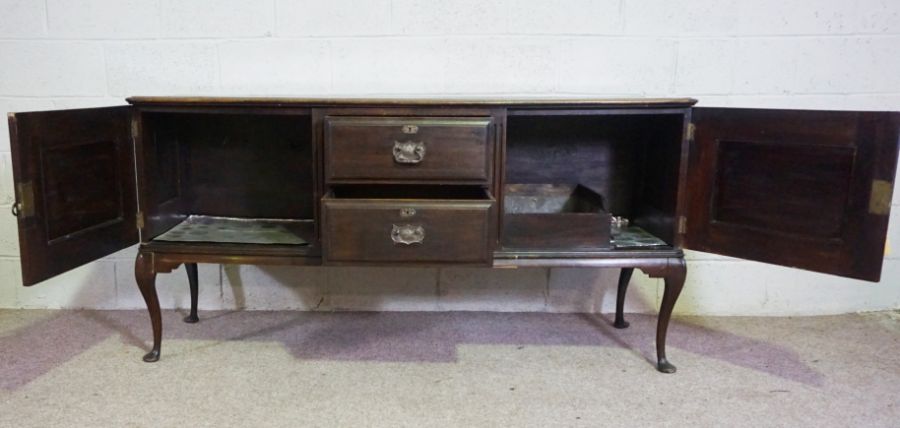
<point x="24" y="206"/>
<point x="139" y="220"/>
<point x="691" y="130"/>
<point x="880" y="198"/>
<point x="682" y="225"/>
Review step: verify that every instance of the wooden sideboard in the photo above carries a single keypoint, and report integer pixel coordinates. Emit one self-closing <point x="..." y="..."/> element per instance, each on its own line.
<point x="414" y="182"/>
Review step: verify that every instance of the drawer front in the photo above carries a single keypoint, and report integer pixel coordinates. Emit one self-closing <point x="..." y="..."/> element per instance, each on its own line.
<point x="414" y="232"/>
<point x="408" y="149"/>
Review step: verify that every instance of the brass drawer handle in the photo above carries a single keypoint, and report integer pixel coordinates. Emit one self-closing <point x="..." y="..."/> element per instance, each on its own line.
<point x="409" y="152"/>
<point x="408" y="234"/>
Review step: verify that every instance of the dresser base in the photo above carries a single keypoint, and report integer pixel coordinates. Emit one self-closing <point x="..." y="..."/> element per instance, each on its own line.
<point x="668" y="265"/>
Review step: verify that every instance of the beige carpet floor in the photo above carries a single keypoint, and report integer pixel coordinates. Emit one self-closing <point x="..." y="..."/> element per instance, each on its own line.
<point x="295" y="369"/>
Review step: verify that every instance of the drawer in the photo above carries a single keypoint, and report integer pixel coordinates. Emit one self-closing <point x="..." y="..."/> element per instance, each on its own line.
<point x="368" y="227"/>
<point x="408" y="149"/>
<point x="554" y="217"/>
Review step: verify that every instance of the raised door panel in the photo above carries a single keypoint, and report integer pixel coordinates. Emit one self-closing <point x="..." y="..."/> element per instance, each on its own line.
<point x="75" y="191"/>
<point x="807" y="189"/>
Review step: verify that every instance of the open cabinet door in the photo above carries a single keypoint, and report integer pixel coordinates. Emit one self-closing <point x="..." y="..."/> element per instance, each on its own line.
<point x="75" y="191"/>
<point x="806" y="189"/>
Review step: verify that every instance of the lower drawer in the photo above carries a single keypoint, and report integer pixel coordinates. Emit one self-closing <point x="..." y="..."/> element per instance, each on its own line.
<point x="390" y="227"/>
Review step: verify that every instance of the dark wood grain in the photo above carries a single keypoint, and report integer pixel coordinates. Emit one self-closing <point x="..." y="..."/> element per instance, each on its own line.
<point x="621" y="290"/>
<point x="413" y="101"/>
<point x="548" y="217"/>
<point x="785" y="187"/>
<point x="232" y="165"/>
<point x="194" y="284"/>
<point x="75" y="174"/>
<point x="357" y="227"/>
<point x="162" y="173"/>
<point x="793" y="187"/>
<point x="145" y="269"/>
<point x="673" y="276"/>
<point x="656" y="202"/>
<point x="452" y="149"/>
<point x="813" y="187"/>
<point x="633" y="160"/>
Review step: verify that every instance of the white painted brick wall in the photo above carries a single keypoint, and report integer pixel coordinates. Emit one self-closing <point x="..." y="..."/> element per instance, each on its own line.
<point x="23" y="19"/>
<point x="102" y="19"/>
<point x="829" y="54"/>
<point x="215" y="19"/>
<point x="159" y="67"/>
<point x="302" y="18"/>
<point x="290" y="66"/>
<point x="52" y="68"/>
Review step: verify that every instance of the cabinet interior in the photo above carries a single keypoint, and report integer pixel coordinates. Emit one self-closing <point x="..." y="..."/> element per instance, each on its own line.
<point x="631" y="160"/>
<point x="248" y="167"/>
<point x="541" y="182"/>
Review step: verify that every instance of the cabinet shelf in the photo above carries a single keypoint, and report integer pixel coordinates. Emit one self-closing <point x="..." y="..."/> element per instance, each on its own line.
<point x="202" y="229"/>
<point x="630" y="242"/>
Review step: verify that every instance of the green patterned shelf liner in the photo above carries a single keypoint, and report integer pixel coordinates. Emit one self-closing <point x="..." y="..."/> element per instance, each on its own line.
<point x="198" y="228"/>
<point x="635" y="237"/>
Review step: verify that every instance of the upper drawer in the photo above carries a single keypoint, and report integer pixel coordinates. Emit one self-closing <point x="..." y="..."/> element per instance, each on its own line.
<point x="408" y="149"/>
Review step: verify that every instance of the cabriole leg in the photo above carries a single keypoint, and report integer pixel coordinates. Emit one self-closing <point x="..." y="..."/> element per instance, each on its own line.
<point x="674" y="280"/>
<point x="191" y="269"/>
<point x="624" y="279"/>
<point x="145" y="275"/>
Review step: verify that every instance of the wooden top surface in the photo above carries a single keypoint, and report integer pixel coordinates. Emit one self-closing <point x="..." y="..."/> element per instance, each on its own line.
<point x="414" y="101"/>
